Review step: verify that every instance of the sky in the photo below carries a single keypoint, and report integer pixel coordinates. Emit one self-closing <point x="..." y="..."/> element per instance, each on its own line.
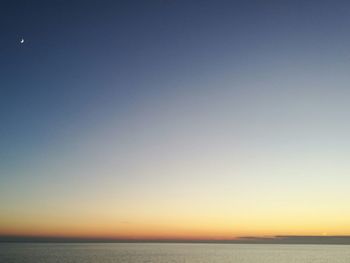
<point x="174" y="119"/>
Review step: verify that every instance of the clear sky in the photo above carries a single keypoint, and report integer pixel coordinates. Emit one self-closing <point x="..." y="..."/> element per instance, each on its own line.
<point x="174" y="118"/>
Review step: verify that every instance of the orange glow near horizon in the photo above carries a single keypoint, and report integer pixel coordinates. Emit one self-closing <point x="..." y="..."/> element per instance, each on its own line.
<point x="182" y="230"/>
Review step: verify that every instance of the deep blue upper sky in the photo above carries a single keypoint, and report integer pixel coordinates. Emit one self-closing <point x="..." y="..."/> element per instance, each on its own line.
<point x="81" y="57"/>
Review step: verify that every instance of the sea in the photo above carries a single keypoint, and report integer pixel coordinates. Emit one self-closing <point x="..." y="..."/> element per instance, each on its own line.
<point x="174" y="253"/>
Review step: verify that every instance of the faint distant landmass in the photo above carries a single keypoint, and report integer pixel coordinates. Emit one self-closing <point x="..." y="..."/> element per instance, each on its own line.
<point x="344" y="240"/>
<point x="327" y="240"/>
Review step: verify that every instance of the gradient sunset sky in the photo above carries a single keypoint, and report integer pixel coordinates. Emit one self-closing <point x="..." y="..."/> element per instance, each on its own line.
<point x="174" y="118"/>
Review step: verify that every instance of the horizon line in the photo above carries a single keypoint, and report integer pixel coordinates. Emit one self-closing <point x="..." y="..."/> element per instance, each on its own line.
<point x="279" y="239"/>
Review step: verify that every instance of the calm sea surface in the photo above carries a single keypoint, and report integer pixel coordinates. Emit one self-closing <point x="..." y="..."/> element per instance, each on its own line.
<point x="103" y="253"/>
